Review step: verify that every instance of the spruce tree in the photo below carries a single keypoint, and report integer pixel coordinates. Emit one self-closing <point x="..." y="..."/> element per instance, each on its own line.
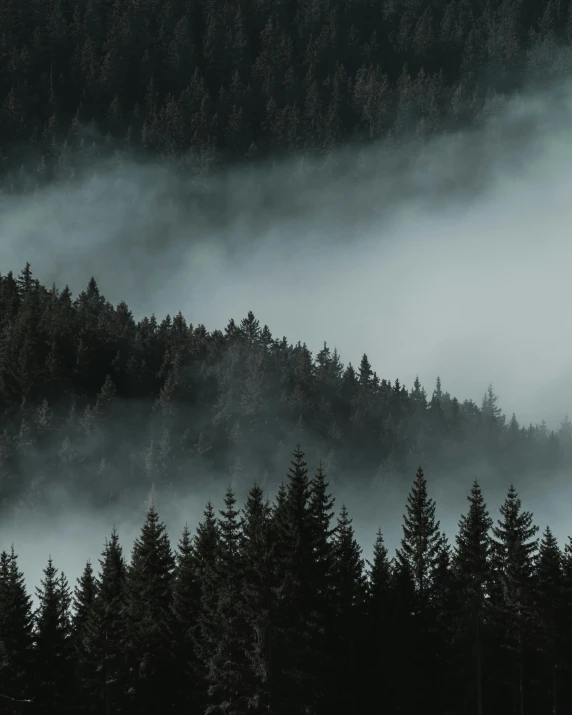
<point x="54" y="665"/>
<point x="226" y="664"/>
<point x="550" y="614"/>
<point x="473" y="577"/>
<point x="150" y="617"/>
<point x="104" y="666"/>
<point x="513" y="553"/>
<point x="295" y="667"/>
<point x="258" y="599"/>
<point x="421" y="537"/>
<point x="380" y="656"/>
<point x="186" y="595"/>
<point x="205" y="554"/>
<point x="320" y="506"/>
<point x="350" y="590"/>
<point x="16" y="634"/>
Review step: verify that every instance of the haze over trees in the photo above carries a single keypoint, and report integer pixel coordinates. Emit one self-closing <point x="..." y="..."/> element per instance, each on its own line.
<point x="212" y="82"/>
<point x="271" y="608"/>
<point x="104" y="406"/>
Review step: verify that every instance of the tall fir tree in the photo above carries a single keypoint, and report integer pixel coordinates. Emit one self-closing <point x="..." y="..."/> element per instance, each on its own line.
<point x="54" y="682"/>
<point x="150" y="617"/>
<point x="16" y="634"/>
<point x="473" y="579"/>
<point x="513" y="554"/>
<point x="104" y="667"/>
<point x="350" y="591"/>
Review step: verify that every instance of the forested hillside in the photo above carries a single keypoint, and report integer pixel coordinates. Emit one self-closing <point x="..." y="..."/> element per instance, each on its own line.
<point x="213" y="81"/>
<point x="101" y="405"/>
<point x="271" y="609"/>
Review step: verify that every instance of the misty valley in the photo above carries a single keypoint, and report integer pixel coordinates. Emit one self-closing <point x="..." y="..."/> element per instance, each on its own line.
<point x="267" y="603"/>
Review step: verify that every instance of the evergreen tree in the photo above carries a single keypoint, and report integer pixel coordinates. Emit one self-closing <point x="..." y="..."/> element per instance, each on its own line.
<point x="258" y="599"/>
<point x="186" y="595"/>
<point x="54" y="665"/>
<point x="472" y="568"/>
<point x="104" y="668"/>
<point x="421" y="536"/>
<point x="550" y="616"/>
<point x="513" y="552"/>
<point x="294" y="665"/>
<point x="150" y="617"/>
<point x="16" y="636"/>
<point x="227" y="664"/>
<point x="350" y="590"/>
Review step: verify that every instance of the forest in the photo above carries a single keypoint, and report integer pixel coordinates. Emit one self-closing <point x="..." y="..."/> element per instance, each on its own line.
<point x="204" y="84"/>
<point x="107" y="408"/>
<point x="270" y="608"/>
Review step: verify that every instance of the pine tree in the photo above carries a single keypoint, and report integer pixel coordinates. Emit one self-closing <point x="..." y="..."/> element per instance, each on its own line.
<point x="320" y="506"/>
<point x="54" y="667"/>
<point x="295" y="667"/>
<point x="258" y="599"/>
<point x="473" y="575"/>
<point x="84" y="596"/>
<point x="350" y="590"/>
<point x="150" y="617"/>
<point x="186" y="593"/>
<point x="16" y="636"/>
<point x="549" y="616"/>
<point x="513" y="552"/>
<point x="104" y="669"/>
<point x="205" y="554"/>
<point x="380" y="658"/>
<point x="226" y="665"/>
<point x="421" y="537"/>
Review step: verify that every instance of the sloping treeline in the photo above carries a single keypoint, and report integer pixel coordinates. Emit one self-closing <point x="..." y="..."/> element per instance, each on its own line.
<point x="100" y="404"/>
<point x="271" y="609"/>
<point x="224" y="81"/>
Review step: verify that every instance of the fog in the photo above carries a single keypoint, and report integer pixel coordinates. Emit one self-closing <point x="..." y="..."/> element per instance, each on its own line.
<point x="452" y="260"/>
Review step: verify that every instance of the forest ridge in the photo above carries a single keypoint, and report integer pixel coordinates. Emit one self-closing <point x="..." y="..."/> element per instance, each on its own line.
<point x="271" y="609"/>
<point x="213" y="82"/>
<point x="102" y="405"/>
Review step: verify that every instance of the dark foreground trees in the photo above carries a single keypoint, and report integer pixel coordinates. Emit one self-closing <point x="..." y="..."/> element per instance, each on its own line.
<point x="271" y="609"/>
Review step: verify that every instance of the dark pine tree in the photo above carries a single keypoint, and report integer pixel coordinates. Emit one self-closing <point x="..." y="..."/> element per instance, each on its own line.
<point x="473" y="577"/>
<point x="16" y="641"/>
<point x="186" y="595"/>
<point x="350" y="591"/>
<point x="258" y="599"/>
<point x="513" y="554"/>
<point x="150" y="618"/>
<point x="54" y="654"/>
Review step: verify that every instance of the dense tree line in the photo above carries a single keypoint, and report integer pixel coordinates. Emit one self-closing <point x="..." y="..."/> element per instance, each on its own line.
<point x="272" y="609"/>
<point x="100" y="404"/>
<point x="216" y="81"/>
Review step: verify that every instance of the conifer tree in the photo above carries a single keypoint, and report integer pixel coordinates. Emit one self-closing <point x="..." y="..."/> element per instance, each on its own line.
<point x="258" y="599"/>
<point x="16" y="632"/>
<point x="293" y="661"/>
<point x="54" y="666"/>
<point x="350" y="590"/>
<point x="150" y="617"/>
<point x="550" y="616"/>
<point x="205" y="554"/>
<point x="473" y="576"/>
<point x="320" y="506"/>
<point x="226" y="664"/>
<point x="105" y="639"/>
<point x="380" y="657"/>
<point x="421" y="537"/>
<point x="186" y="594"/>
<point x="513" y="553"/>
